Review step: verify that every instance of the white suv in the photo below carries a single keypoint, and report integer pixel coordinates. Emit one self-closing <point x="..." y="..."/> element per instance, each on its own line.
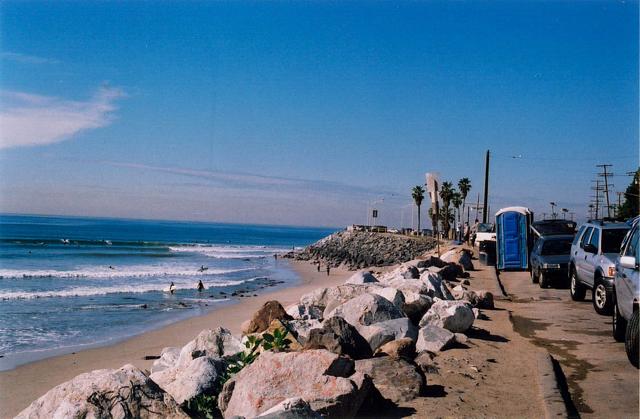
<point x="592" y="264"/>
<point x="627" y="293"/>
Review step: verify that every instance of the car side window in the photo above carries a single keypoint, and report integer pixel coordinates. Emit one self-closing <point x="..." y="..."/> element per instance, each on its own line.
<point x="595" y="238"/>
<point x="578" y="236"/>
<point x="585" y="237"/>
<point x="632" y="245"/>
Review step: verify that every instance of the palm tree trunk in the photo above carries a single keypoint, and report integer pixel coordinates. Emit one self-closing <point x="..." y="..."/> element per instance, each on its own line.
<point x="418" y="218"/>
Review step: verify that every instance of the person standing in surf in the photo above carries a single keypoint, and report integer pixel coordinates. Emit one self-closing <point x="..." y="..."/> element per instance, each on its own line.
<point x="200" y="286"/>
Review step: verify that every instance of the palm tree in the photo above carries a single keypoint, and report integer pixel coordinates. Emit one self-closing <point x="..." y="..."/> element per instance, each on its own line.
<point x="456" y="201"/>
<point x="446" y="193"/>
<point x="417" y="193"/>
<point x="464" y="185"/>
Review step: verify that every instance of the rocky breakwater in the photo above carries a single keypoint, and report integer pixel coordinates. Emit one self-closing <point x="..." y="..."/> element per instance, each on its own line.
<point x="357" y="249"/>
<point x="344" y="351"/>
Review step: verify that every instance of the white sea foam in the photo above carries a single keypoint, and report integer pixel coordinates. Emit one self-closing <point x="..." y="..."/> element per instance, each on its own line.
<point x="112" y="289"/>
<point x="230" y="252"/>
<point x="104" y="272"/>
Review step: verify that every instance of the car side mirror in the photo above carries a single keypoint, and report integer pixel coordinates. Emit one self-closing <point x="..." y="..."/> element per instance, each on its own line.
<point x="628" y="262"/>
<point x="589" y="248"/>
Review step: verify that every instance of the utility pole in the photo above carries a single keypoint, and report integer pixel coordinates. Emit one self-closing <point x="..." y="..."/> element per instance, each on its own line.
<point x="620" y="194"/>
<point x="486" y="188"/>
<point x="606" y="185"/>
<point x="596" y="198"/>
<point x="477" y="206"/>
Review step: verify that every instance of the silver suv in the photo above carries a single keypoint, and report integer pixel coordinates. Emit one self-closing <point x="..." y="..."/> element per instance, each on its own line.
<point x="592" y="264"/>
<point x="627" y="293"/>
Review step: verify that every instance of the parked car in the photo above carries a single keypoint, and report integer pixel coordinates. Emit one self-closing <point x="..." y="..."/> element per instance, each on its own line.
<point x="550" y="259"/>
<point x="627" y="293"/>
<point x="592" y="264"/>
<point x="486" y="232"/>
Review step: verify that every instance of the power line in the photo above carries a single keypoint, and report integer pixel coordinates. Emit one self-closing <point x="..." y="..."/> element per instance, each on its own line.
<point x="606" y="185"/>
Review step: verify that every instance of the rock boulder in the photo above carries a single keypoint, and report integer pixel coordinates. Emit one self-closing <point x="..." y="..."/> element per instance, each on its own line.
<point x="324" y="379"/>
<point x="270" y="311"/>
<point x="455" y="316"/>
<point x="184" y="382"/>
<point x="122" y="393"/>
<point x="338" y="336"/>
<point x="434" y="339"/>
<point x="395" y="379"/>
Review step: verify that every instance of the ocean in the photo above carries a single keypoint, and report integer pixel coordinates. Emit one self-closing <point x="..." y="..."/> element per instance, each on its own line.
<point x="72" y="282"/>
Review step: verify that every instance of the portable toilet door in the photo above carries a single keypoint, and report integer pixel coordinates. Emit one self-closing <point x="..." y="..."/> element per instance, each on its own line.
<point x="512" y="225"/>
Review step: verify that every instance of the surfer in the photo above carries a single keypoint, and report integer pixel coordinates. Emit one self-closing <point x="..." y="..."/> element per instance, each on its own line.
<point x="203" y="268"/>
<point x="111" y="267"/>
<point x="200" y="286"/>
<point x="172" y="288"/>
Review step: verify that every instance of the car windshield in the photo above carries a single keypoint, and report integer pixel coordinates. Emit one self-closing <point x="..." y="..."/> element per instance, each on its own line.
<point x="485" y="228"/>
<point x="556" y="247"/>
<point x="612" y="239"/>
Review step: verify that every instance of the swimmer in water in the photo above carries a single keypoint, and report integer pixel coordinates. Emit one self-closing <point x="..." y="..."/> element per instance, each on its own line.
<point x="200" y="286"/>
<point x="172" y="288"/>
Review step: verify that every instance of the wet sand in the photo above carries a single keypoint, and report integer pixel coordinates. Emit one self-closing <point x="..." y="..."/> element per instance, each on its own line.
<point x="22" y="385"/>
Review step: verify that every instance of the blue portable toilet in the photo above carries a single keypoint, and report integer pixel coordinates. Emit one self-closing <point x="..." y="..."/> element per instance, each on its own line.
<point x="513" y="241"/>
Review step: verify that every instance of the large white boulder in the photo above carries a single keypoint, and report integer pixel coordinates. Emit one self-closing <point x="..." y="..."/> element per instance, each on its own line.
<point x="392" y="294"/>
<point x="435" y="285"/>
<point x="184" y="382"/>
<point x="323" y="379"/>
<point x="433" y="339"/>
<point x="366" y="309"/>
<point x="455" y="316"/>
<point x="122" y="393"/>
<point x="218" y="343"/>
<point x="377" y="334"/>
<point x="168" y="358"/>
<point x="363" y="277"/>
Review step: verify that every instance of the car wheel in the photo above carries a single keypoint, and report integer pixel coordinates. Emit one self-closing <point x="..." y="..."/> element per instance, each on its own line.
<point x="543" y="280"/>
<point x="619" y="324"/>
<point x="601" y="298"/>
<point x="576" y="289"/>
<point x="631" y="339"/>
<point x="534" y="276"/>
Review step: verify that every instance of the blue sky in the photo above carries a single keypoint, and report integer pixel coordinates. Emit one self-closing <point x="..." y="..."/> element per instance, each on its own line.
<point x="302" y="112"/>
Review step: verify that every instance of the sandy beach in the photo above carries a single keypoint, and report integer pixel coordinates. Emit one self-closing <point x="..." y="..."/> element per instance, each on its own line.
<point x="20" y="386"/>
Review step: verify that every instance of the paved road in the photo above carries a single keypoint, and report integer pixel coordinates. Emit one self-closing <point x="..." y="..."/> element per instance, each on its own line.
<point x="600" y="379"/>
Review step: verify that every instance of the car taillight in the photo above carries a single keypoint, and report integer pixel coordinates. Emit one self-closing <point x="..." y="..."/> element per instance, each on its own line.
<point x="612" y="271"/>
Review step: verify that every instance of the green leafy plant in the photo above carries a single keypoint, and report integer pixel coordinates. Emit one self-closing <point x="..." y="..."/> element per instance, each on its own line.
<point x="206" y="406"/>
<point x="245" y="358"/>
<point x="277" y="341"/>
<point x="203" y="406"/>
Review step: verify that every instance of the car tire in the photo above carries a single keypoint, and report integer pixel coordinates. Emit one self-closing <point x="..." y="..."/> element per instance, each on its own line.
<point x="631" y="339"/>
<point x="601" y="298"/>
<point x="619" y="324"/>
<point x="534" y="276"/>
<point x="543" y="280"/>
<point x="576" y="289"/>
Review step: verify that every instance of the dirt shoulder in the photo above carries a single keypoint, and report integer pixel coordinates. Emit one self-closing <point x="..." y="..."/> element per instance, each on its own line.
<point x="494" y="374"/>
<point x="600" y="380"/>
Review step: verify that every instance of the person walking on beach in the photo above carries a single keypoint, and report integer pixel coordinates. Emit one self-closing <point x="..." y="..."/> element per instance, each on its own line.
<point x="328" y="269"/>
<point x="318" y="265"/>
<point x="200" y="286"/>
<point x="474" y="232"/>
<point x="172" y="288"/>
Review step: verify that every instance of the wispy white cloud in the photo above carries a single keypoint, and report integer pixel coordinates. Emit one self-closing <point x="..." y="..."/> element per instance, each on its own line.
<point x="26" y="58"/>
<point x="251" y="181"/>
<point x="31" y="120"/>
